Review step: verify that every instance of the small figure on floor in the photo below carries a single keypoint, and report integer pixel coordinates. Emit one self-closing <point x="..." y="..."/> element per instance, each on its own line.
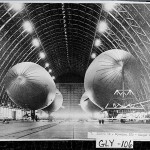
<point x="5" y="121"/>
<point x="36" y="118"/>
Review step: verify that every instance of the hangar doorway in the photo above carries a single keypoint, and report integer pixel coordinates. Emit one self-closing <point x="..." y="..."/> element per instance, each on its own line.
<point x="72" y="93"/>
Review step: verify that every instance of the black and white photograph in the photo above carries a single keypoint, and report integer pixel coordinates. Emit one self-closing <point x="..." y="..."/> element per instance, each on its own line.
<point x="75" y="71"/>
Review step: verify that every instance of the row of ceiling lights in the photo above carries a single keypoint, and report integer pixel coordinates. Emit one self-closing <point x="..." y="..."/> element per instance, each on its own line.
<point x="65" y="29"/>
<point x="102" y="26"/>
<point x="29" y="28"/>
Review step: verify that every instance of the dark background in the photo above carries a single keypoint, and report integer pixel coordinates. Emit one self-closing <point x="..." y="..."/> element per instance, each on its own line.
<point x="61" y="145"/>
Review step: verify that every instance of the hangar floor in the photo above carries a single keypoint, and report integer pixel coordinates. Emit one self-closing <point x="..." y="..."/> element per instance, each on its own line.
<point x="64" y="129"/>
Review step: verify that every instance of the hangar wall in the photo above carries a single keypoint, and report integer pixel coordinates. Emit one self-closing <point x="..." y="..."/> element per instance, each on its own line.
<point x="72" y="93"/>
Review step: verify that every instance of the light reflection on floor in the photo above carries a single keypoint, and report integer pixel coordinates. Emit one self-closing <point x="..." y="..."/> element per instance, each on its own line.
<point x="71" y="129"/>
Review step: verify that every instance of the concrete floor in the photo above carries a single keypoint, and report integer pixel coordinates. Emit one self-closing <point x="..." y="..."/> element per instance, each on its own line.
<point x="65" y="129"/>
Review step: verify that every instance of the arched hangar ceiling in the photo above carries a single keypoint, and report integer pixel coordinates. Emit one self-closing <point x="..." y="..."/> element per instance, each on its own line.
<point x="71" y="35"/>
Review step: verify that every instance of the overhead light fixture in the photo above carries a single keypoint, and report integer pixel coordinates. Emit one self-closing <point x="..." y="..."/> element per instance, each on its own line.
<point x="50" y="70"/>
<point x="28" y="26"/>
<point x="17" y="7"/>
<point x="93" y="55"/>
<point x="53" y="77"/>
<point x="42" y="55"/>
<point x="102" y="26"/>
<point x="46" y="65"/>
<point x="36" y="42"/>
<point x="109" y="7"/>
<point x="97" y="42"/>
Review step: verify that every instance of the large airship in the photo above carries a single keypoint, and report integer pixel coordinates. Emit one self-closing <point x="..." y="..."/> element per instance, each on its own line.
<point x="110" y="71"/>
<point x="30" y="86"/>
<point x="88" y="106"/>
<point x="56" y="104"/>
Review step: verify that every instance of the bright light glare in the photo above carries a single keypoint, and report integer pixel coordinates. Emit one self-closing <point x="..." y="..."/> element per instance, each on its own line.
<point x="17" y="7"/>
<point x="46" y="64"/>
<point x="53" y="77"/>
<point x="42" y="115"/>
<point x="50" y="70"/>
<point x="42" y="55"/>
<point x="102" y="26"/>
<point x="108" y="7"/>
<point x="96" y="115"/>
<point x="27" y="26"/>
<point x="93" y="55"/>
<point x="97" y="42"/>
<point x="99" y="115"/>
<point x="36" y="42"/>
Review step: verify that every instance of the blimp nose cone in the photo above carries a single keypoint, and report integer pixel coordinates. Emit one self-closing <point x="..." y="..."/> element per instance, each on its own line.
<point x="21" y="80"/>
<point x="30" y="86"/>
<point x="119" y="67"/>
<point x="108" y="72"/>
<point x="120" y="63"/>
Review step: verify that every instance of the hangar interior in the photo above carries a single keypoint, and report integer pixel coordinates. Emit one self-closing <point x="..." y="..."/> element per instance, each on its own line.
<point x="65" y="38"/>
